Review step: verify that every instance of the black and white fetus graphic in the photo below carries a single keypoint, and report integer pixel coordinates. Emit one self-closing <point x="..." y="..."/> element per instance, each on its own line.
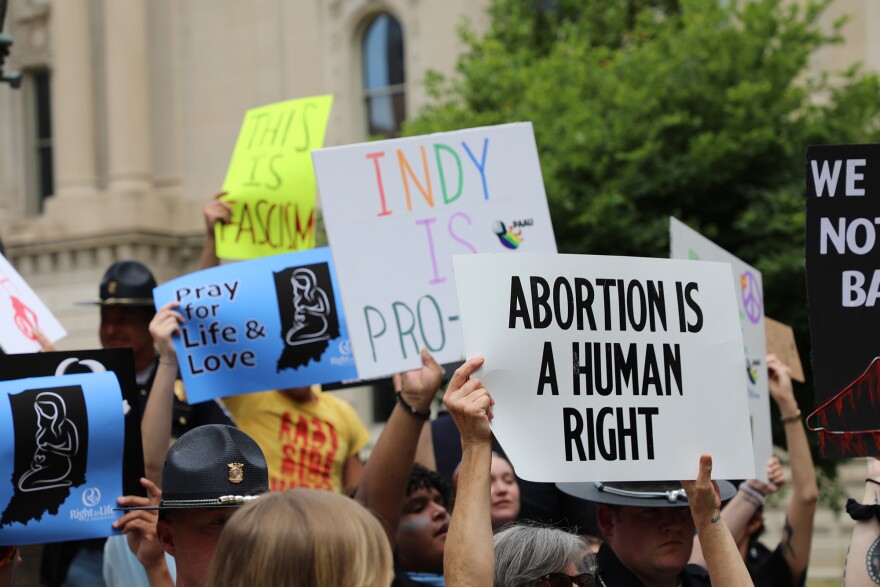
<point x="309" y="319"/>
<point x="51" y="445"/>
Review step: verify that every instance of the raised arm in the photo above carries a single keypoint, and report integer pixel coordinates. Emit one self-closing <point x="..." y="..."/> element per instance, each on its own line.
<point x="862" y="567"/>
<point x="469" y="556"/>
<point x="139" y="527"/>
<point x="739" y="512"/>
<point x="214" y="211"/>
<point x="156" y="420"/>
<point x="386" y="473"/>
<point x="797" y="535"/>
<point x="723" y="559"/>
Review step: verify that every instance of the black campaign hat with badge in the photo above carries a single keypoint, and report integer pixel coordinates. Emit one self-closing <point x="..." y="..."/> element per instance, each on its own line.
<point x="638" y="493"/>
<point x="212" y="466"/>
<point x="126" y="283"/>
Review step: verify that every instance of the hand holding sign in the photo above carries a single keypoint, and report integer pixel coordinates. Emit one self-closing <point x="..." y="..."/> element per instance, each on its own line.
<point x="704" y="497"/>
<point x="419" y="386"/>
<point x="780" y="387"/>
<point x="217" y="210"/>
<point x="271" y="182"/>
<point x="470" y="404"/>
<point x="165" y="324"/>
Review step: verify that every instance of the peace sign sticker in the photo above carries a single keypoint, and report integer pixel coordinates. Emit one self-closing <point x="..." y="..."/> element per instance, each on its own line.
<point x="753" y="303"/>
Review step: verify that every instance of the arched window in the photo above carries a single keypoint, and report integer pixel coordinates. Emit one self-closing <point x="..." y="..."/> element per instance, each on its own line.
<point x="384" y="87"/>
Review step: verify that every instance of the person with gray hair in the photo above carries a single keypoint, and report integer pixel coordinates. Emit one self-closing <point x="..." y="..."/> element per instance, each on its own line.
<point x="530" y="554"/>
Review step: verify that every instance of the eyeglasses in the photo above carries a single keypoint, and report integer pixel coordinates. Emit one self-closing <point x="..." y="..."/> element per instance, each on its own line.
<point x="563" y="580"/>
<point x="7" y="554"/>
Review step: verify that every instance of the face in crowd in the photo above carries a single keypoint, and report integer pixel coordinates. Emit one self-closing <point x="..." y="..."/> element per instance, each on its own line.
<point x="504" y="491"/>
<point x="191" y="537"/>
<point x="652" y="542"/>
<point x="421" y="535"/>
<point x="127" y="327"/>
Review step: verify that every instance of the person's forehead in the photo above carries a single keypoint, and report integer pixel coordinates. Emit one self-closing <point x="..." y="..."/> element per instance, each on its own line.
<point x="198" y="515"/>
<point x="500" y="464"/>
<point x="120" y="312"/>
<point x="647" y="513"/>
<point x="427" y="494"/>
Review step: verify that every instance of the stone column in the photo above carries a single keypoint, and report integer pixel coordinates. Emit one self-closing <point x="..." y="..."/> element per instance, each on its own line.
<point x="73" y="116"/>
<point x="129" y="166"/>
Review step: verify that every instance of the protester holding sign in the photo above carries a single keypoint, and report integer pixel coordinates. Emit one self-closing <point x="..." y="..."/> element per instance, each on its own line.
<point x="310" y="439"/>
<point x="469" y="559"/>
<point x="411" y="502"/>
<point x="270" y="180"/>
<point x="787" y="564"/>
<point x="521" y="555"/>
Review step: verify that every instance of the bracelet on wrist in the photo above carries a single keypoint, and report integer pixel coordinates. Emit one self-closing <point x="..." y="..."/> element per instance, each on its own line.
<point x="750" y="491"/>
<point x="874" y="481"/>
<point x="750" y="499"/>
<point x="793" y="418"/>
<point x="411" y="410"/>
<point x="168" y="362"/>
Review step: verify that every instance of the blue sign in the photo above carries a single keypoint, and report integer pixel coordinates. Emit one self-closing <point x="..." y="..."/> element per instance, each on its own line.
<point x="60" y="468"/>
<point x="269" y="323"/>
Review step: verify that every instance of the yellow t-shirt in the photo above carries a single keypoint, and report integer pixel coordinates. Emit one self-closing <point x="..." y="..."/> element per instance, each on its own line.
<point x="305" y="444"/>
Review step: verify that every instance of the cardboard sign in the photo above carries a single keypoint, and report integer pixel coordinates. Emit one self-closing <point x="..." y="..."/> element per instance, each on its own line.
<point x="120" y="362"/>
<point x="271" y="182"/>
<point x="843" y="289"/>
<point x="608" y="368"/>
<point x="270" y="323"/>
<point x="21" y="312"/>
<point x="397" y="211"/>
<point x="780" y="342"/>
<point x="60" y="457"/>
<point x="748" y="287"/>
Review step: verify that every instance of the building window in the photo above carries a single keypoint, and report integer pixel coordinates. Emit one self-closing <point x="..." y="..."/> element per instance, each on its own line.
<point x="40" y="130"/>
<point x="384" y="89"/>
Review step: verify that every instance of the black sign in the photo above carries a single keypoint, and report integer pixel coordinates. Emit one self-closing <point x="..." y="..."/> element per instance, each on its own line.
<point x="843" y="286"/>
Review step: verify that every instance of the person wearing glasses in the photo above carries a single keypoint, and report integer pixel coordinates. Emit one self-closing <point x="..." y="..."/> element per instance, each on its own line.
<point x="648" y="528"/>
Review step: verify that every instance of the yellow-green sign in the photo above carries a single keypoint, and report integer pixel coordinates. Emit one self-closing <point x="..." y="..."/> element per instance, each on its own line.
<point x="270" y="182"/>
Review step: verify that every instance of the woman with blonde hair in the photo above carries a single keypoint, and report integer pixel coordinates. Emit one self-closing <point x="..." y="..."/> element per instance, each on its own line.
<point x="302" y="537"/>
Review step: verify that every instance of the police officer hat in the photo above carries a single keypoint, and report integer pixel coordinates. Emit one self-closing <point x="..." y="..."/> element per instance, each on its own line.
<point x="638" y="493"/>
<point x="127" y="283"/>
<point x="212" y="466"/>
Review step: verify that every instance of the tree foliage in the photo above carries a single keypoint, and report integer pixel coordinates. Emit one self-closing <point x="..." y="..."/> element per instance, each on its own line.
<point x="642" y="109"/>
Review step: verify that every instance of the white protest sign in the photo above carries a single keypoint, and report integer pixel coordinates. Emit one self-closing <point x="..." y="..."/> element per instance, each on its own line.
<point x="747" y="285"/>
<point x="608" y="368"/>
<point x="22" y="312"/>
<point x="396" y="211"/>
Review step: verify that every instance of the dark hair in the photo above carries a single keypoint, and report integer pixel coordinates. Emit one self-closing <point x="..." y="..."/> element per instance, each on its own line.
<point x="422" y="478"/>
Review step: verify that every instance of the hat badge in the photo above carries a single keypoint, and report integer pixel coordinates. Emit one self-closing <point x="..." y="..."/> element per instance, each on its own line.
<point x="236" y="472"/>
<point x="111" y="287"/>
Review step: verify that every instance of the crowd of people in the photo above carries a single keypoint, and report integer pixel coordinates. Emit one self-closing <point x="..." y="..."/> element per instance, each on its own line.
<point x="270" y="488"/>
